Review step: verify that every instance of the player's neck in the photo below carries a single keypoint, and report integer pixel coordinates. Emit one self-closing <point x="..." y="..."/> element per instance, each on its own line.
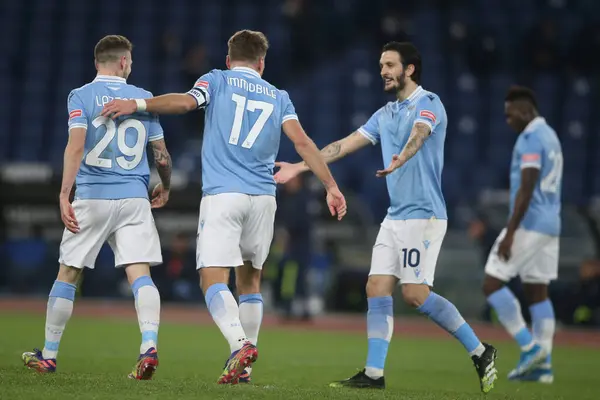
<point x="405" y="93"/>
<point x="244" y="65"/>
<point x="108" y="72"/>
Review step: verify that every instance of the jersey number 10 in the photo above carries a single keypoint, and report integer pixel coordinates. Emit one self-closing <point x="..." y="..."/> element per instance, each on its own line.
<point x="93" y="158"/>
<point x="242" y="104"/>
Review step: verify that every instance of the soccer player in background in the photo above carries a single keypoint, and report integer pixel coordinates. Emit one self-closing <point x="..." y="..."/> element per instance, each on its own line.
<point x="529" y="245"/>
<point x="107" y="160"/>
<point x="412" y="131"/>
<point x="244" y="118"/>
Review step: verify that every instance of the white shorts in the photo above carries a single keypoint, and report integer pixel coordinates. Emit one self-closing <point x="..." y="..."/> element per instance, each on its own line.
<point x="234" y="228"/>
<point x="408" y="249"/>
<point x="534" y="257"/>
<point x="127" y="225"/>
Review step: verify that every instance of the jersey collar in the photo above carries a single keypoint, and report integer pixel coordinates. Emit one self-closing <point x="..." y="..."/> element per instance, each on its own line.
<point x="534" y="123"/>
<point x="109" y="78"/>
<point x="247" y="71"/>
<point x="413" y="96"/>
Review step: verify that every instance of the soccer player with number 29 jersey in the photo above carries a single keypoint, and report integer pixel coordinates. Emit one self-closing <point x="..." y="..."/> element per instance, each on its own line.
<point x="529" y="245"/>
<point x="411" y="131"/>
<point x="244" y="118"/>
<point x="107" y="160"/>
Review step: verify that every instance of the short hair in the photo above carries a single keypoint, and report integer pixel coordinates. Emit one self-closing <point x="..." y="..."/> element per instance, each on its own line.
<point x="247" y="45"/>
<point x="408" y="55"/>
<point x="516" y="92"/>
<point x="110" y="48"/>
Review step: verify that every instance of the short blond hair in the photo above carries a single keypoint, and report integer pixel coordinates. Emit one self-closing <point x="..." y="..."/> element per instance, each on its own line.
<point x="248" y="46"/>
<point x="110" y="48"/>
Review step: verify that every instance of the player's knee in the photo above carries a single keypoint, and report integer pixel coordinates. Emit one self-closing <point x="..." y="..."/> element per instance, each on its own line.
<point x="380" y="285"/>
<point x="491" y="285"/>
<point x="415" y="295"/>
<point x="69" y="274"/>
<point x="535" y="293"/>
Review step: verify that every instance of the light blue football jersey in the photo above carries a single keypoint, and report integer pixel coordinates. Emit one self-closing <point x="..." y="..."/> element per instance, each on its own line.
<point x="244" y="114"/>
<point x="538" y="147"/>
<point x="415" y="189"/>
<point x="114" y="165"/>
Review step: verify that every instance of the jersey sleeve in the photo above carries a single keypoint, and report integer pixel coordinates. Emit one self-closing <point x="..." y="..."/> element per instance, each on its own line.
<point x="429" y="111"/>
<point x="204" y="88"/>
<point x="530" y="152"/>
<point x="289" y="112"/>
<point x="155" y="130"/>
<point x="370" y="129"/>
<point x="77" y="115"/>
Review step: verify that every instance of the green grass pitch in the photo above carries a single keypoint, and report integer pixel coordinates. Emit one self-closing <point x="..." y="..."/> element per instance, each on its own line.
<point x="96" y="356"/>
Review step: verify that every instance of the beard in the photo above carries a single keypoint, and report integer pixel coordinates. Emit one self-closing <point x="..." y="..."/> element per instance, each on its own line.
<point x="400" y="84"/>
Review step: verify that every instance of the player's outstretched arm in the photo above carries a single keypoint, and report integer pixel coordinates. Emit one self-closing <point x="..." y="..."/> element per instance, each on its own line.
<point x="164" y="166"/>
<point x="330" y="153"/>
<point x="71" y="162"/>
<point x="172" y="103"/>
<point x="529" y="178"/>
<point x="419" y="133"/>
<point x="309" y="152"/>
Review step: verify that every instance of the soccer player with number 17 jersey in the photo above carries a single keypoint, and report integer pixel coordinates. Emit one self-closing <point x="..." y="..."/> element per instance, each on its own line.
<point x="244" y="118"/>
<point x="529" y="245"/>
<point x="107" y="159"/>
<point x="412" y="131"/>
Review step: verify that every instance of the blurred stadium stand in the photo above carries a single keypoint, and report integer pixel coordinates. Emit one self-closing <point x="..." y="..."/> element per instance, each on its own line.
<point x="325" y="53"/>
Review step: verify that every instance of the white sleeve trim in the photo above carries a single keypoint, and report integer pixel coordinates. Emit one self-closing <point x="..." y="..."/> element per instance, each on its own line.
<point x="77" y="125"/>
<point x="531" y="165"/>
<point x="154" y="138"/>
<point x="366" y="134"/>
<point x="289" y="117"/>
<point x="423" y="121"/>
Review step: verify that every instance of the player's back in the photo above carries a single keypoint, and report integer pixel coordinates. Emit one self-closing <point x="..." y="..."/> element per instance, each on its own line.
<point x="539" y="147"/>
<point x="242" y="131"/>
<point x="115" y="164"/>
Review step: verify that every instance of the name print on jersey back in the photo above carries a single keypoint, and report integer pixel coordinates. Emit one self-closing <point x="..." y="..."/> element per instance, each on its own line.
<point x="115" y="164"/>
<point x="244" y="114"/>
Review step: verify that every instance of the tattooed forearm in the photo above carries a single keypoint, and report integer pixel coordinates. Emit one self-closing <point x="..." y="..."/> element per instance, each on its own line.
<point x="341" y="148"/>
<point x="419" y="134"/>
<point x="162" y="161"/>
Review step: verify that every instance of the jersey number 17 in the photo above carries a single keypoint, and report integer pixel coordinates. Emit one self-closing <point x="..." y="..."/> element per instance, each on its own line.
<point x="241" y="105"/>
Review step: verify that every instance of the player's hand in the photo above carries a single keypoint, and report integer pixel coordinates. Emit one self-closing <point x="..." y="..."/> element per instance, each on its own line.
<point x="160" y="196"/>
<point x="286" y="171"/>
<point x="505" y="246"/>
<point x="116" y="108"/>
<point x="394" y="165"/>
<point x="336" y="202"/>
<point x="67" y="214"/>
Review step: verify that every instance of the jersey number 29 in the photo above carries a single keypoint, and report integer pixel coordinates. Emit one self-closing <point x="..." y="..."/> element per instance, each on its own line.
<point x="241" y="104"/>
<point x="552" y="181"/>
<point x="93" y="158"/>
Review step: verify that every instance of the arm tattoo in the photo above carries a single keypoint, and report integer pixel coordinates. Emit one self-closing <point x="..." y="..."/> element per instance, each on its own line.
<point x="333" y="151"/>
<point x="417" y="137"/>
<point x="162" y="161"/>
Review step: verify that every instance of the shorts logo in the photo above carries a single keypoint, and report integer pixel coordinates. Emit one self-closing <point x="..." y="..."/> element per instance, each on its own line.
<point x="428" y="115"/>
<point x="426" y="243"/>
<point x="202" y="224"/>
<point x="75" y="113"/>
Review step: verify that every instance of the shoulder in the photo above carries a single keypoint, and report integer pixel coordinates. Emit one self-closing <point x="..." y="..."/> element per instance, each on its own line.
<point x="429" y="99"/>
<point x="78" y="92"/>
<point x="140" y="92"/>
